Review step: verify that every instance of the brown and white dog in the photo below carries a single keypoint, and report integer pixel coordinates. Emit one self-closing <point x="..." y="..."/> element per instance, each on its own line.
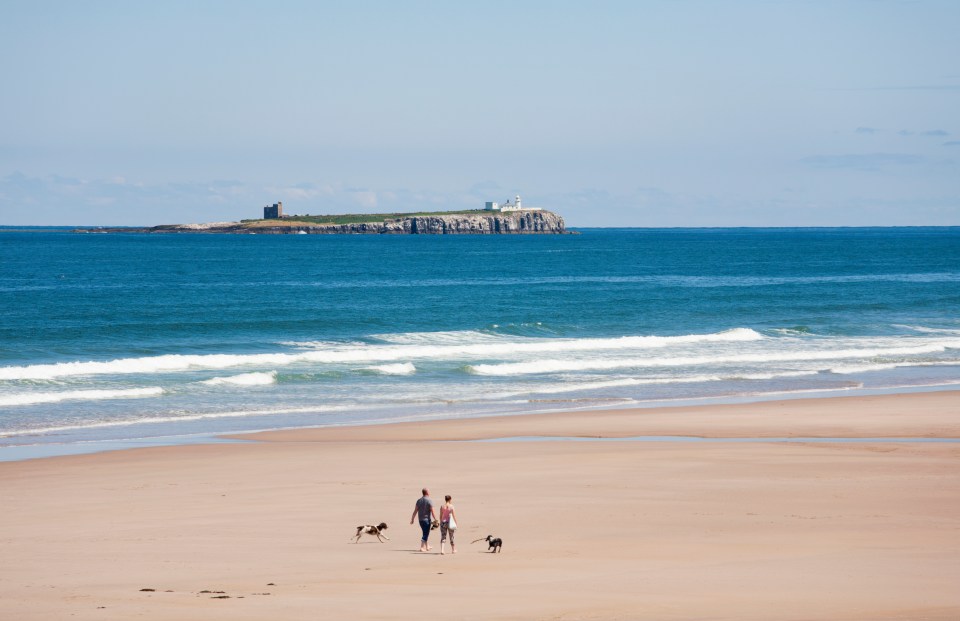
<point x="369" y="529"/>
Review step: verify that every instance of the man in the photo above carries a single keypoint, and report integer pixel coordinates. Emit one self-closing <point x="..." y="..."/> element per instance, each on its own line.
<point x="424" y="509"/>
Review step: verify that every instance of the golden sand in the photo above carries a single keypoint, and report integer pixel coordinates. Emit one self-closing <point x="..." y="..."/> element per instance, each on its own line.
<point x="591" y="529"/>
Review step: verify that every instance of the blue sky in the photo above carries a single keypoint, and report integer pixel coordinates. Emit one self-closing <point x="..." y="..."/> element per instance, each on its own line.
<point x="643" y="113"/>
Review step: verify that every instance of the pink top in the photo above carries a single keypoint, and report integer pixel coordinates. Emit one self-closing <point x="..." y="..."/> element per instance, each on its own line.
<point x="445" y="512"/>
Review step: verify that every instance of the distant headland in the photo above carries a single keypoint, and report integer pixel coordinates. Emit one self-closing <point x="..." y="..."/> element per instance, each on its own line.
<point x="509" y="218"/>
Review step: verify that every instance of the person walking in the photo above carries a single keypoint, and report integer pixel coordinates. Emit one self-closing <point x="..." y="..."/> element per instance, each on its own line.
<point x="448" y="523"/>
<point x="424" y="509"/>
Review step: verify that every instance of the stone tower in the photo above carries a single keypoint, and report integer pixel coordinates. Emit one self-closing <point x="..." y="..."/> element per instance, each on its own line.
<point x="273" y="212"/>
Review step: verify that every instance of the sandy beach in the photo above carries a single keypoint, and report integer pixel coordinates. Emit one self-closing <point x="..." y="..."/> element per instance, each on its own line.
<point x="591" y="529"/>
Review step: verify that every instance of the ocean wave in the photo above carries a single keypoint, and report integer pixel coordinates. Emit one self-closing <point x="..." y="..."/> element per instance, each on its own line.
<point x="604" y="364"/>
<point x="451" y="337"/>
<point x="794" y="331"/>
<point x="146" y="365"/>
<point x="367" y="353"/>
<point x="660" y="280"/>
<point x="322" y="344"/>
<point x="573" y="383"/>
<point x="926" y="330"/>
<point x="566" y="387"/>
<point x="771" y="281"/>
<point x="402" y="368"/>
<point x="852" y="369"/>
<point x="246" y="379"/>
<point x="886" y="366"/>
<point x="33" y="398"/>
<point x="148" y="420"/>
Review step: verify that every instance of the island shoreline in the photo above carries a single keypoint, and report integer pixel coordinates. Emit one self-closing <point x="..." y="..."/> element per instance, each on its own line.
<point x="519" y="222"/>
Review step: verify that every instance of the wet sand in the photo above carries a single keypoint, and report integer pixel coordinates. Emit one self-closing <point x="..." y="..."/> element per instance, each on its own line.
<point x="591" y="530"/>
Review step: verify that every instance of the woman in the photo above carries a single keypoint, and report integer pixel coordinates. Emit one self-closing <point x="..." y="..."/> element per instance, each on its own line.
<point x="448" y="524"/>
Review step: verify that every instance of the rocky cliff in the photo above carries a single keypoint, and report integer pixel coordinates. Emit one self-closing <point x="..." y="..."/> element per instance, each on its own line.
<point x="524" y="222"/>
<point x="515" y="223"/>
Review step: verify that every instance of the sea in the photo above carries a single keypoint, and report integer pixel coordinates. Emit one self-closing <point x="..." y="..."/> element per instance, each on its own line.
<point x="132" y="339"/>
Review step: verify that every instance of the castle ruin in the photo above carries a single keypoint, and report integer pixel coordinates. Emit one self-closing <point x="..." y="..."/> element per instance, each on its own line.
<point x="273" y="212"/>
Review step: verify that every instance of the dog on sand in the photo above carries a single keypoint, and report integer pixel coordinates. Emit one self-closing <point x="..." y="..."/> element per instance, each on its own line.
<point x="493" y="543"/>
<point x="375" y="531"/>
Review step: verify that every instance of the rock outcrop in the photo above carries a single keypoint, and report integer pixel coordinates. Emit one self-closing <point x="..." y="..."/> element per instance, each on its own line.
<point x="511" y="223"/>
<point x="519" y="223"/>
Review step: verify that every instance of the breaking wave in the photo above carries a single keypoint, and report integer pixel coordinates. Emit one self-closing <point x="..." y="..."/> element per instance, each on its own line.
<point x="403" y="368"/>
<point x="33" y="398"/>
<point x="868" y="367"/>
<point x="154" y="420"/>
<point x="368" y="353"/>
<point x="605" y="364"/>
<point x="246" y="379"/>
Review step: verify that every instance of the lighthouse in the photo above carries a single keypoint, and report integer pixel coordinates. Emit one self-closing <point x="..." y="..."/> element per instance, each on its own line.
<point x="516" y="205"/>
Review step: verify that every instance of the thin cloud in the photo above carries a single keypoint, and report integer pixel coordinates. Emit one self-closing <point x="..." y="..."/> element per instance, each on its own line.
<point x="365" y="198"/>
<point x="301" y="191"/>
<point x="952" y="143"/>
<point x="866" y="130"/>
<point x="118" y="202"/>
<point x="861" y="161"/>
<point x="938" y="133"/>
<point x="484" y="188"/>
<point x="910" y="87"/>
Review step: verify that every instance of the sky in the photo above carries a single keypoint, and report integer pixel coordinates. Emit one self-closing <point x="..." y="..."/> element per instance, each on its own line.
<point x="639" y="113"/>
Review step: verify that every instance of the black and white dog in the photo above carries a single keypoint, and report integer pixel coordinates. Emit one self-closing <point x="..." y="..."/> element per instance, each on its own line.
<point x="493" y="543"/>
<point x="376" y="531"/>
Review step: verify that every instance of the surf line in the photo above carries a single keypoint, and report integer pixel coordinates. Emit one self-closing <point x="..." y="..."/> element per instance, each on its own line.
<point x="784" y="439"/>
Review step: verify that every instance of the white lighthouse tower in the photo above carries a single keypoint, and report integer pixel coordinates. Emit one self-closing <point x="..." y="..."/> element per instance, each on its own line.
<point x="516" y="205"/>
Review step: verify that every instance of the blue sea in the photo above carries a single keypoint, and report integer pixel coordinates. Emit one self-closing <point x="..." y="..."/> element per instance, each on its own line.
<point x="133" y="337"/>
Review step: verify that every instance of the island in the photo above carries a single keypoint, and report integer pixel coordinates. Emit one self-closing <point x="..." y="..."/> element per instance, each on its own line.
<point x="494" y="219"/>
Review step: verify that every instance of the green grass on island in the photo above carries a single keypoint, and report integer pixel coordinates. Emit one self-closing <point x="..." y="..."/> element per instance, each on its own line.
<point x="356" y="218"/>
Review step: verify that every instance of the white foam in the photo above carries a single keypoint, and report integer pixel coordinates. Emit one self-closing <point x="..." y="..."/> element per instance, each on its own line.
<point x="885" y="366"/>
<point x="175" y="419"/>
<point x="246" y="379"/>
<point x="348" y="354"/>
<point x="792" y="332"/>
<point x="33" y="398"/>
<point x="925" y="330"/>
<point x="604" y="364"/>
<point x="767" y="376"/>
<point x="567" y="384"/>
<point x="322" y="344"/>
<point x="147" y="365"/>
<point x="452" y="337"/>
<point x="403" y="368"/>
<point x="619" y="383"/>
<point x="851" y="369"/>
